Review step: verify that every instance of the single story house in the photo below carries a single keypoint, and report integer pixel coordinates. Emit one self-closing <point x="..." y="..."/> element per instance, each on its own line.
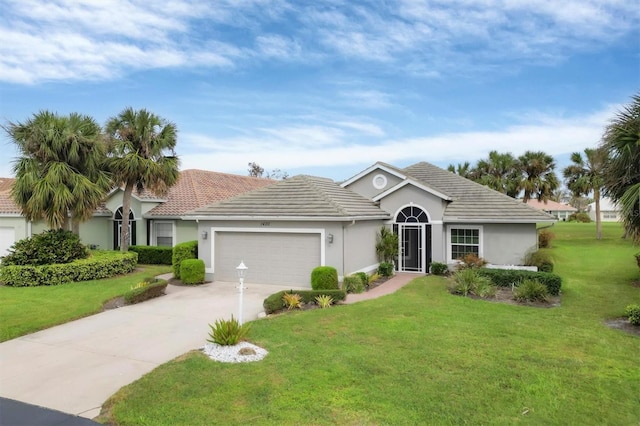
<point x="283" y="231"/>
<point x="559" y="210"/>
<point x="155" y="220"/>
<point x="609" y="211"/>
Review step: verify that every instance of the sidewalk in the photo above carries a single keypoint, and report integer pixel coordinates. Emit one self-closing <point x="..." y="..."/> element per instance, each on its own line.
<point x="399" y="280"/>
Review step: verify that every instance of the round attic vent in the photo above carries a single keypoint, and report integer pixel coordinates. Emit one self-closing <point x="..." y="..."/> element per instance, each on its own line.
<point x="379" y="181"/>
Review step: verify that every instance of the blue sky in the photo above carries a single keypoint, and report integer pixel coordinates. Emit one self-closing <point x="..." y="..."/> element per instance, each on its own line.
<point x="328" y="87"/>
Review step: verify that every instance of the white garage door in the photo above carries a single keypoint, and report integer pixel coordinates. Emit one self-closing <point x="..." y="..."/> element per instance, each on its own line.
<point x="272" y="258"/>
<point x="7" y="238"/>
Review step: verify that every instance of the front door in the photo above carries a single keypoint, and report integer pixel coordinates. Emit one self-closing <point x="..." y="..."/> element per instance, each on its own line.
<point x="414" y="239"/>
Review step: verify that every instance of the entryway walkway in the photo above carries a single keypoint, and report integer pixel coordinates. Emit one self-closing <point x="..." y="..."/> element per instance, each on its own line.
<point x="399" y="280"/>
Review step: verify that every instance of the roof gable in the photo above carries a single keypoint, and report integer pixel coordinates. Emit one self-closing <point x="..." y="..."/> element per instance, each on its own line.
<point x="377" y="166"/>
<point x="296" y="198"/>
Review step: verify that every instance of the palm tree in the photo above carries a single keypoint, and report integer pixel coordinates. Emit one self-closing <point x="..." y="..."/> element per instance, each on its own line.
<point x="621" y="140"/>
<point x="539" y="179"/>
<point x="138" y="157"/>
<point x="462" y="169"/>
<point x="500" y="172"/>
<point x="586" y="175"/>
<point x="60" y="174"/>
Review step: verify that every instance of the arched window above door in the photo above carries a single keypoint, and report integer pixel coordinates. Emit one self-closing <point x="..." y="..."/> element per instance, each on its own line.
<point x="118" y="214"/>
<point x="412" y="214"/>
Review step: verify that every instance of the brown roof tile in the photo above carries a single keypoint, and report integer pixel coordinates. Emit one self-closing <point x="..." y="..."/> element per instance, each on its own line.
<point x="199" y="188"/>
<point x="7" y="206"/>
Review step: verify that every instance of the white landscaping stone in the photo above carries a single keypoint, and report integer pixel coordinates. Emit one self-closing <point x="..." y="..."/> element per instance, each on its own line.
<point x="230" y="353"/>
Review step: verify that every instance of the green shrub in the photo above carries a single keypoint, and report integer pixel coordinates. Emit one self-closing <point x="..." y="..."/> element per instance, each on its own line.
<point x="353" y="284"/>
<point x="140" y="293"/>
<point x="633" y="313"/>
<point x="182" y="251"/>
<point x="324" y="278"/>
<point x="386" y="269"/>
<point x="192" y="271"/>
<point x="101" y="264"/>
<point x="544" y="238"/>
<point x="274" y="302"/>
<point x="438" y="268"/>
<point x="580" y="217"/>
<point x="47" y="248"/>
<point x="152" y="255"/>
<point x="324" y="301"/>
<point x="513" y="277"/>
<point x="292" y="301"/>
<point x="471" y="261"/>
<point x="469" y="282"/>
<point x="541" y="259"/>
<point x="637" y="256"/>
<point x="228" y="332"/>
<point x="364" y="277"/>
<point x="531" y="290"/>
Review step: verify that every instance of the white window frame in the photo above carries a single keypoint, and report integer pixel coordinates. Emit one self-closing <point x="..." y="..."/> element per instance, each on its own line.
<point x="480" y="230"/>
<point x="154" y="239"/>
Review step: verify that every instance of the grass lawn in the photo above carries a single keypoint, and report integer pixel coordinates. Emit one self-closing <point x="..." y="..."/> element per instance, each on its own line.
<point x="24" y="310"/>
<point x="423" y="356"/>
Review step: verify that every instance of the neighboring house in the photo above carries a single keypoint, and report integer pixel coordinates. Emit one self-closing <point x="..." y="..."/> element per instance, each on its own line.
<point x="155" y="220"/>
<point x="558" y="210"/>
<point x="283" y="231"/>
<point x="609" y="211"/>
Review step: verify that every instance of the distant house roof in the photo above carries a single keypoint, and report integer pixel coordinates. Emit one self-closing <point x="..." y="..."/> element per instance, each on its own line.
<point x="301" y="197"/>
<point x="7" y="206"/>
<point x="199" y="188"/>
<point x="550" y="205"/>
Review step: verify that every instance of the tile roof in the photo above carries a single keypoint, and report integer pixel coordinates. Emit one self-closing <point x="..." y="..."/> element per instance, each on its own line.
<point x="299" y="197"/>
<point x="471" y="201"/>
<point x="550" y="205"/>
<point x="199" y="188"/>
<point x="7" y="206"/>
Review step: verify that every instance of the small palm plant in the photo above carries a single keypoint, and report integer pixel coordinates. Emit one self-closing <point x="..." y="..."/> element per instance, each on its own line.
<point x="227" y="332"/>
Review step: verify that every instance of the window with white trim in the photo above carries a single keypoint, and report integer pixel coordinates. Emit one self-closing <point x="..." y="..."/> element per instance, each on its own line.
<point x="163" y="232"/>
<point x="464" y="241"/>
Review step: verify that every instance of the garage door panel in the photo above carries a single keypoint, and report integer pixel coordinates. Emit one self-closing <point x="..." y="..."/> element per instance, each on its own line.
<point x="272" y="258"/>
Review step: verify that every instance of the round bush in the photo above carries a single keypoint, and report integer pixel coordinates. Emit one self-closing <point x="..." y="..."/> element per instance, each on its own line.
<point x="47" y="248"/>
<point x="192" y="271"/>
<point x="324" y="278"/>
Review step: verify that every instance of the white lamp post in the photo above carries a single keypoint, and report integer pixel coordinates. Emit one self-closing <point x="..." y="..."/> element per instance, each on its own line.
<point x="242" y="271"/>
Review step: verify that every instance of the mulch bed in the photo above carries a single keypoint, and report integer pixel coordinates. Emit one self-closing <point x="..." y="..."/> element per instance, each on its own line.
<point x="623" y="324"/>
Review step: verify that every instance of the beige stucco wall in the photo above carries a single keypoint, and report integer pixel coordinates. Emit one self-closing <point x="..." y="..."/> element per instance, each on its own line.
<point x="410" y="195"/>
<point x="186" y="230"/>
<point x="97" y="231"/>
<point x="360" y="246"/>
<point x="19" y="225"/>
<point x="364" y="185"/>
<point x="508" y="244"/>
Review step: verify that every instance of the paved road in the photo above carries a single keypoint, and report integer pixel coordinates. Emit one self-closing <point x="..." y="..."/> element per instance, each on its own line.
<point x="76" y="366"/>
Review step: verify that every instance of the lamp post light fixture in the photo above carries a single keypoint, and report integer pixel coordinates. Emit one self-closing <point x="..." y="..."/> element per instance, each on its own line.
<point x="242" y="272"/>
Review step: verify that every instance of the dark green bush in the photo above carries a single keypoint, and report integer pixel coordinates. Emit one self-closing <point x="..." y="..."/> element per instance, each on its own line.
<point x="47" y="248"/>
<point x="155" y="288"/>
<point x="152" y="255"/>
<point x="544" y="238"/>
<point x="579" y="217"/>
<point x="386" y="269"/>
<point x="633" y="313"/>
<point x="192" y="271"/>
<point x="353" y="284"/>
<point x="438" y="268"/>
<point x="275" y="303"/>
<point x="324" y="278"/>
<point x="364" y="277"/>
<point x="182" y="251"/>
<point x="509" y="277"/>
<point x="541" y="259"/>
<point x="101" y="264"/>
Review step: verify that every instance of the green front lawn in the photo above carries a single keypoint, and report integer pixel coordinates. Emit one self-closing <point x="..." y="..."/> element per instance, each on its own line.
<point x="24" y="310"/>
<point x="423" y="356"/>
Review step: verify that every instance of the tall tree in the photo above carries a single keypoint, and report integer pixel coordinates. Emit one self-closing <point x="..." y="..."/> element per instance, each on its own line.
<point x="60" y="173"/>
<point x="621" y="140"/>
<point x="586" y="175"/>
<point x="462" y="169"/>
<point x="500" y="172"/>
<point x="142" y="155"/>
<point x="539" y="178"/>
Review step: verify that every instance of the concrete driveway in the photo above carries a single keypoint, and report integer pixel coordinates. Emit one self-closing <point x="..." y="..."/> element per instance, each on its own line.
<point x="76" y="366"/>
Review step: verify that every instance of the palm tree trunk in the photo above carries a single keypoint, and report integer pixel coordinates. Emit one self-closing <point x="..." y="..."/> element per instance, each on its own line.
<point x="596" y="196"/>
<point x="126" y="207"/>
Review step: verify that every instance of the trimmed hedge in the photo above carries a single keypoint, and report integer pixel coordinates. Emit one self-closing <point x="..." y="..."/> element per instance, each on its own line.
<point x="101" y="264"/>
<point x="274" y="302"/>
<point x="192" y="271"/>
<point x="153" y="255"/>
<point x="155" y="288"/>
<point x="509" y="277"/>
<point x="182" y="251"/>
<point x="324" y="278"/>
